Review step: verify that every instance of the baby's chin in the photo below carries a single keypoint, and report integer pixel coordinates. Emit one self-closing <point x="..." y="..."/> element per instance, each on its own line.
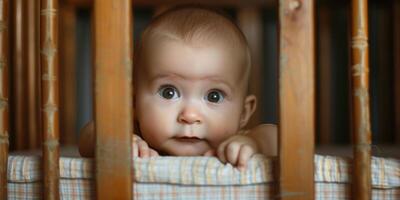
<point x="184" y="151"/>
<point x="174" y="147"/>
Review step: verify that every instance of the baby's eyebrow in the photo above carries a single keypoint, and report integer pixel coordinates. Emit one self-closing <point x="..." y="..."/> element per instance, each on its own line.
<point x="214" y="79"/>
<point x="163" y="76"/>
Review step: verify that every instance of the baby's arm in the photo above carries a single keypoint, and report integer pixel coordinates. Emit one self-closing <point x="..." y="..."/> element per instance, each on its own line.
<point x="87" y="140"/>
<point x="239" y="148"/>
<point x="266" y="137"/>
<point x="87" y="143"/>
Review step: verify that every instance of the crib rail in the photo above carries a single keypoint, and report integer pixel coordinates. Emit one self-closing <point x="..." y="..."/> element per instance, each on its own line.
<point x="17" y="63"/>
<point x="50" y="96"/>
<point x="4" y="128"/>
<point x="32" y="74"/>
<point x="296" y="99"/>
<point x="156" y="3"/>
<point x="113" y="108"/>
<point x="360" y="99"/>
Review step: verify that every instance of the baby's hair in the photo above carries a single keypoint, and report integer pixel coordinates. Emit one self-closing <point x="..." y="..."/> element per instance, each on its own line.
<point x="196" y="25"/>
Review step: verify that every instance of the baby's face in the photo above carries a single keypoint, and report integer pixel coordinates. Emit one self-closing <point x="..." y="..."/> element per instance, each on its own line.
<point x="189" y="99"/>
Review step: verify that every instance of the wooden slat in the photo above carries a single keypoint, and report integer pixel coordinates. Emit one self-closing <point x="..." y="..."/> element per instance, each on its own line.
<point x="361" y="180"/>
<point x="32" y="71"/>
<point x="396" y="56"/>
<point x="153" y="3"/>
<point x="324" y="76"/>
<point x="4" y="141"/>
<point x="19" y="109"/>
<point x="296" y="99"/>
<point x="250" y="22"/>
<point x="68" y="74"/>
<point x="113" y="98"/>
<point x="50" y="96"/>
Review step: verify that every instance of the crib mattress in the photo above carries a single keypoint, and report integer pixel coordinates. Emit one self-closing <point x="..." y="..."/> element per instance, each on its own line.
<point x="200" y="178"/>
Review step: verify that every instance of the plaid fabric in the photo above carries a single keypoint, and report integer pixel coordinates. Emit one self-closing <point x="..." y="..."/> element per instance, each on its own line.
<point x="337" y="191"/>
<point x="385" y="171"/>
<point x="201" y="171"/>
<point x="200" y="178"/>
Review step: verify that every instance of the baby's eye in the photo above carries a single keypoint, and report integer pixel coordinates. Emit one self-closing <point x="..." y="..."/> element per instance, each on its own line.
<point x="168" y="92"/>
<point x="215" y="96"/>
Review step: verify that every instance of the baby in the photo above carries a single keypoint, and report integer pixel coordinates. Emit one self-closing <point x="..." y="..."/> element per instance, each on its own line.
<point x="191" y="80"/>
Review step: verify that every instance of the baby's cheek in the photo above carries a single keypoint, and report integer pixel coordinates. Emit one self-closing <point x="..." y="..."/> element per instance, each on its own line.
<point x="220" y="134"/>
<point x="222" y="126"/>
<point x="155" y="126"/>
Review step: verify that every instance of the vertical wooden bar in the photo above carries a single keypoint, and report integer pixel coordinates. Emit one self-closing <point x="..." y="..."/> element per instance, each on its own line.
<point x="50" y="96"/>
<point x="296" y="99"/>
<point x="250" y="22"/>
<point x="324" y="76"/>
<point x="113" y="98"/>
<point x="32" y="69"/>
<point x="396" y="78"/>
<point x="19" y="109"/>
<point x="360" y="97"/>
<point x="68" y="73"/>
<point x="4" y="141"/>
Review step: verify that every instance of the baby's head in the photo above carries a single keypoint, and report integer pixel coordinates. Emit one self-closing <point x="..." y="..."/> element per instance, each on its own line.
<point x="191" y="81"/>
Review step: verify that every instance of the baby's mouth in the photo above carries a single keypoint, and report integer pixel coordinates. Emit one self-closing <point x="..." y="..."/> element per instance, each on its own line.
<point x="188" y="139"/>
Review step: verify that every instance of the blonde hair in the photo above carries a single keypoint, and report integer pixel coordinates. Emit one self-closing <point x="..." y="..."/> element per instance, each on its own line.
<point x="196" y="25"/>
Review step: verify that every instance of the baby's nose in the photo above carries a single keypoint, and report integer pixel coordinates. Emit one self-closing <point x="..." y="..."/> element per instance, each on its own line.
<point x="189" y="115"/>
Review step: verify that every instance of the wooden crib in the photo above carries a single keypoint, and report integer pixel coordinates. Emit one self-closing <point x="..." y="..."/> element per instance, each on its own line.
<point x="113" y="50"/>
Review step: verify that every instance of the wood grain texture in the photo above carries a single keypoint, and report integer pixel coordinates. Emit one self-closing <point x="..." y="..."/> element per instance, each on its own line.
<point x="50" y="97"/>
<point x="296" y="99"/>
<point x="113" y="98"/>
<point x="361" y="180"/>
<point x="153" y="3"/>
<point x="18" y="73"/>
<point x="4" y="107"/>
<point x="32" y="83"/>
<point x="250" y="22"/>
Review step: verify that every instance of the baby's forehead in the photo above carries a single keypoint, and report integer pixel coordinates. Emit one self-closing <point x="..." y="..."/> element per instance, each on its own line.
<point x="222" y="50"/>
<point x="211" y="59"/>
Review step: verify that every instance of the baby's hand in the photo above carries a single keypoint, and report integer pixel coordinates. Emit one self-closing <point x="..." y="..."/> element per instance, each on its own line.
<point x="141" y="148"/>
<point x="237" y="150"/>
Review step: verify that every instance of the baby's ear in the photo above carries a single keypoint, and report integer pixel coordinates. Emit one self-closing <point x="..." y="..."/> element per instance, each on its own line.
<point x="249" y="106"/>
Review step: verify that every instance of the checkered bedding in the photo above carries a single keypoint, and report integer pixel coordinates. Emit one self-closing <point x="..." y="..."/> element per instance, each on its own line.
<point x="200" y="178"/>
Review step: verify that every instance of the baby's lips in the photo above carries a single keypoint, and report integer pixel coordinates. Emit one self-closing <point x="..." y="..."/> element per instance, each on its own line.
<point x="188" y="139"/>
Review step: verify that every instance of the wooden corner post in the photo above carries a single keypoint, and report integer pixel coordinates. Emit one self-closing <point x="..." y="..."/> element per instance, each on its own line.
<point x="361" y="179"/>
<point x="113" y="98"/>
<point x="296" y="99"/>
<point x="4" y="108"/>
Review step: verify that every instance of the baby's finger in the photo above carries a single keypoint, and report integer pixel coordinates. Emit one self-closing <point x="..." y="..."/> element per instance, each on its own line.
<point x="143" y="149"/>
<point x="210" y="152"/>
<point x="221" y="152"/>
<point x="232" y="152"/>
<point x="244" y="156"/>
<point x="153" y="153"/>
